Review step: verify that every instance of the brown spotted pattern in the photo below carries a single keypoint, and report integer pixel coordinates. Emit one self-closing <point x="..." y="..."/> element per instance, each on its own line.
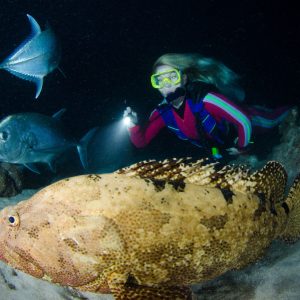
<point x="150" y="230"/>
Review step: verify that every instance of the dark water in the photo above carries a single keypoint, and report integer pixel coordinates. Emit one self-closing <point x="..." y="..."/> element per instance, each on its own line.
<point x="109" y="48"/>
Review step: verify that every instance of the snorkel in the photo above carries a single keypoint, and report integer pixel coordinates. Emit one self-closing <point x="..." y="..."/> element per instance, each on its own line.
<point x="170" y="82"/>
<point x="175" y="98"/>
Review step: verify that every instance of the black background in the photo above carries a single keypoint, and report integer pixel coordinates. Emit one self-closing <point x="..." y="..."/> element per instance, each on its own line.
<point x="108" y="48"/>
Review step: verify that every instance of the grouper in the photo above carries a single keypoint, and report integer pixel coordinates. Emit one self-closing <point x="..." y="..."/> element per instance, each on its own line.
<point x="150" y="230"/>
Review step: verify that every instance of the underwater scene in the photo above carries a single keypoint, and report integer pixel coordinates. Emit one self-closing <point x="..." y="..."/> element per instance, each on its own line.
<point x="149" y="150"/>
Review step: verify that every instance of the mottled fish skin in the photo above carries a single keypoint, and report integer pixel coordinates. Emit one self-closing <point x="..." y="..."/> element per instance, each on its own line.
<point x="151" y="230"/>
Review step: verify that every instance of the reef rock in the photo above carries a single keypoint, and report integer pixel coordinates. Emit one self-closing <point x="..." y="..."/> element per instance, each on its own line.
<point x="11" y="180"/>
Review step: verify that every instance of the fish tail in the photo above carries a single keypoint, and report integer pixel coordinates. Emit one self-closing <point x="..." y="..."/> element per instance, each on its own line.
<point x="82" y="147"/>
<point x="291" y="232"/>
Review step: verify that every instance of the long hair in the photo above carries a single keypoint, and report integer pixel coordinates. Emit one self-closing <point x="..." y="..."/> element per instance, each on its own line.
<point x="204" y="69"/>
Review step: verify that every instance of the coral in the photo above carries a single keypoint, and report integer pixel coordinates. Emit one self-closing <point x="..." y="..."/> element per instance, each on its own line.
<point x="11" y="180"/>
<point x="288" y="151"/>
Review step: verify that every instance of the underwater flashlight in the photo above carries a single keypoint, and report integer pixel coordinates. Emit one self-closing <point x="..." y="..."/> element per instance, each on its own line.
<point x="127" y="121"/>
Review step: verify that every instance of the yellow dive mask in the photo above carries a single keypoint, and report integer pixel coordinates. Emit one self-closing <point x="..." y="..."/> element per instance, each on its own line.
<point x="166" y="78"/>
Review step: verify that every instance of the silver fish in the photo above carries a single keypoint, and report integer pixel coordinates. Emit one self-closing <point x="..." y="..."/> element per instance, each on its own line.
<point x="36" y="57"/>
<point x="29" y="138"/>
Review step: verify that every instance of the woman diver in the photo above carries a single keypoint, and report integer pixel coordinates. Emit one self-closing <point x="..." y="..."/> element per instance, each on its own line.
<point x="200" y="105"/>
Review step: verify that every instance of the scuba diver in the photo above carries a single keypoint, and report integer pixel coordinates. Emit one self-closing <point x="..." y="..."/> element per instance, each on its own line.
<point x="201" y="105"/>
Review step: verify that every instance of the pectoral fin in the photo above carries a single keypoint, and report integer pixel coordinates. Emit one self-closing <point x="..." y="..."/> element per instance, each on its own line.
<point x="146" y="292"/>
<point x="48" y="156"/>
<point x="32" y="168"/>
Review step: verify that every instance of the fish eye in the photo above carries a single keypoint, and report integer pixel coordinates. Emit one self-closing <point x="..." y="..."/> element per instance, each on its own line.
<point x="13" y="220"/>
<point x="3" y="135"/>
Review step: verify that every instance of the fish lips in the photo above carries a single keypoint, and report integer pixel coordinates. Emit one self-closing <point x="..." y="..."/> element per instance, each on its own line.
<point x="11" y="254"/>
<point x="21" y="260"/>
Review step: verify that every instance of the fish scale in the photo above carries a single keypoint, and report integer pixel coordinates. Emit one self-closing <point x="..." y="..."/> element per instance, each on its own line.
<point x="118" y="233"/>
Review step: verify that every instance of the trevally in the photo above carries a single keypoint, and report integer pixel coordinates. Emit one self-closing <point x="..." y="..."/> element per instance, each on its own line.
<point x="29" y="138"/>
<point x="36" y="57"/>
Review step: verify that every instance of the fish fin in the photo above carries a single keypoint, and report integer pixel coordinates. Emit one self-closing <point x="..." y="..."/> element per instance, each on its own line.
<point x="135" y="291"/>
<point x="61" y="71"/>
<point x="32" y="167"/>
<point x="22" y="75"/>
<point x="174" y="169"/>
<point x="35" y="30"/>
<point x="59" y="114"/>
<point x="52" y="166"/>
<point x="39" y="85"/>
<point x="82" y="146"/>
<point x="291" y="205"/>
<point x="37" y="80"/>
<point x="270" y="180"/>
<point x="35" y="27"/>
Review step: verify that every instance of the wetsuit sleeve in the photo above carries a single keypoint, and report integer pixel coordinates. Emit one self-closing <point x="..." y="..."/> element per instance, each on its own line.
<point x="223" y="109"/>
<point x="141" y="136"/>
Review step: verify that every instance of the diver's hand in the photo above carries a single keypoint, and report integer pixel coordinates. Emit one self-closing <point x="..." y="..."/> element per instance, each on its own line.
<point x="234" y="151"/>
<point x="130" y="117"/>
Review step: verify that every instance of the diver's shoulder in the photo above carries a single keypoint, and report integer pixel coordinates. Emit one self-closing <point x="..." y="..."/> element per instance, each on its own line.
<point x="197" y="90"/>
<point x="199" y="87"/>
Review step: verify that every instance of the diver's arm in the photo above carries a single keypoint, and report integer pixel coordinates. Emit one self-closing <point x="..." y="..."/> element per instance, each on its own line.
<point x="141" y="136"/>
<point x="223" y="109"/>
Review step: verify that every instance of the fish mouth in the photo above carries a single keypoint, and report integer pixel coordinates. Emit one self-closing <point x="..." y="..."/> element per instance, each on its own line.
<point x="2" y="257"/>
<point x="21" y="260"/>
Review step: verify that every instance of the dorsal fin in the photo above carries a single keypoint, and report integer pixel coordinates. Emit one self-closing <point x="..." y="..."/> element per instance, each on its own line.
<point x="270" y="180"/>
<point x="35" y="30"/>
<point x="231" y="176"/>
<point x="59" y="114"/>
<point x="173" y="169"/>
<point x="35" y="27"/>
